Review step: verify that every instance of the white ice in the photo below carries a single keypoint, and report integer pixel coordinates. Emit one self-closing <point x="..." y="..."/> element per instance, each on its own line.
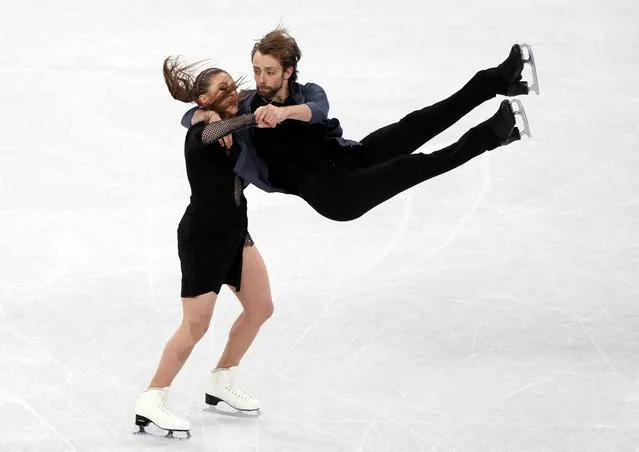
<point x="494" y="308"/>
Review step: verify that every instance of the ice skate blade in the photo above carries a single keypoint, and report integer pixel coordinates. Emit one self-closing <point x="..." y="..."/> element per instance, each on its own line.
<point x="170" y="434"/>
<point x="530" y="59"/>
<point x="212" y="400"/>
<point x="519" y="111"/>
<point x="143" y="422"/>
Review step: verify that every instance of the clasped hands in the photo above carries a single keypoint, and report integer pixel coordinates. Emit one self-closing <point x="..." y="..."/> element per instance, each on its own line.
<point x="267" y="116"/>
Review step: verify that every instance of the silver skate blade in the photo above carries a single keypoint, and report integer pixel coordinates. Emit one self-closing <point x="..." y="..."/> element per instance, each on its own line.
<point x="143" y="422"/>
<point x="170" y="435"/>
<point x="519" y="111"/>
<point x="530" y="59"/>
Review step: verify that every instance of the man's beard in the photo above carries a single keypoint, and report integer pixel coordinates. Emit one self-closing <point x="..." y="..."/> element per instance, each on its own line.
<point x="269" y="93"/>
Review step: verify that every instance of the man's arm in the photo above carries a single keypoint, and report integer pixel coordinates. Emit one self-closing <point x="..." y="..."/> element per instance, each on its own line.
<point x="187" y="119"/>
<point x="317" y="102"/>
<point x="313" y="109"/>
<point x="298" y="112"/>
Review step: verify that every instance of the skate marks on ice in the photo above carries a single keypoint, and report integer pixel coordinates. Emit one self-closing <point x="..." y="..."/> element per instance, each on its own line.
<point x="338" y="279"/>
<point x="383" y="417"/>
<point x="336" y="285"/>
<point x="400" y="231"/>
<point x="376" y="417"/>
<point x="630" y="140"/>
<point x="485" y="168"/>
<point x="534" y="255"/>
<point x="11" y="399"/>
<point x="394" y="239"/>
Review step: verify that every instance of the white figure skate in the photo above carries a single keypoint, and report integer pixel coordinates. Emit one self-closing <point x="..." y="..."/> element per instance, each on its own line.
<point x="152" y="407"/>
<point x="222" y="388"/>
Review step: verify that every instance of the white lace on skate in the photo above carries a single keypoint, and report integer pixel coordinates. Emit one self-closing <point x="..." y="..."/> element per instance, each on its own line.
<point x="235" y="390"/>
<point x="164" y="405"/>
<point x="222" y="387"/>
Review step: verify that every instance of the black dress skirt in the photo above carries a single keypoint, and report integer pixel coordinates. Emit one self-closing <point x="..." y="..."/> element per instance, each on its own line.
<point x="214" y="228"/>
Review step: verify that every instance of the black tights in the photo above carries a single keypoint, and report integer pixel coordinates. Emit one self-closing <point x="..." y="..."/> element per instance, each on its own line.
<point x="366" y="176"/>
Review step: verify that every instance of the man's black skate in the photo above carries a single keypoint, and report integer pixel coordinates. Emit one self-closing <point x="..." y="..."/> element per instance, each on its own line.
<point x="503" y="124"/>
<point x="510" y="72"/>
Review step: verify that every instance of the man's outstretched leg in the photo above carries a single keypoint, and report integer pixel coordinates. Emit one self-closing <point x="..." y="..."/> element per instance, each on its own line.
<point x="415" y="129"/>
<point x="346" y="195"/>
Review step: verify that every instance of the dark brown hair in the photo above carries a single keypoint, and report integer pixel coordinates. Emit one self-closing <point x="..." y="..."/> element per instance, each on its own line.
<point x="184" y="87"/>
<point x="281" y="45"/>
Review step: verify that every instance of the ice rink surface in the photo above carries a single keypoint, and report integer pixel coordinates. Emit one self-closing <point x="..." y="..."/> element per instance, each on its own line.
<point x="492" y="309"/>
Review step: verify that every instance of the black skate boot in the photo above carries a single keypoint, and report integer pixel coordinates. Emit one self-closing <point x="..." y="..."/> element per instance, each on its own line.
<point x="503" y="125"/>
<point x="510" y="73"/>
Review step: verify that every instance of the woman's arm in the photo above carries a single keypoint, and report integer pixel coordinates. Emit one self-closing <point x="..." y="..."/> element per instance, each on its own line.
<point x="218" y="129"/>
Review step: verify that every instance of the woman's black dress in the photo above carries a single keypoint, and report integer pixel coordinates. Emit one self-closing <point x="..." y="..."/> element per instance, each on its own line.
<point x="213" y="230"/>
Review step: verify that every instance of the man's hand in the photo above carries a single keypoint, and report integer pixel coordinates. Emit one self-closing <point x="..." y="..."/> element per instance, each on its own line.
<point x="270" y="115"/>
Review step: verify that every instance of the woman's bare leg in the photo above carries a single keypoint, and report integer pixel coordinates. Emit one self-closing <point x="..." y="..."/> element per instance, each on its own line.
<point x="196" y="317"/>
<point x="255" y="297"/>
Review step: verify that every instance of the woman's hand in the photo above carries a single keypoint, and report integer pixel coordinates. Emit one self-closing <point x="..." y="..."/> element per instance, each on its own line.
<point x="226" y="142"/>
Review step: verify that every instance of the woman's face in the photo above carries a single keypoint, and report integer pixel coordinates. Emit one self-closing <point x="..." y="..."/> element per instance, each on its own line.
<point x="222" y="91"/>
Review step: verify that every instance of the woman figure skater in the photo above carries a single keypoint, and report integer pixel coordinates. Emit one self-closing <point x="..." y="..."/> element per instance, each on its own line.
<point x="214" y="248"/>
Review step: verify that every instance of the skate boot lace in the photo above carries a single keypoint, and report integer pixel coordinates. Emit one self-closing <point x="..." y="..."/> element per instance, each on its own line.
<point x="239" y="392"/>
<point x="164" y="404"/>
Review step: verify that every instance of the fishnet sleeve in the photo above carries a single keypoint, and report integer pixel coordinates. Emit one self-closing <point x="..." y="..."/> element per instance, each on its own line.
<point x="216" y="130"/>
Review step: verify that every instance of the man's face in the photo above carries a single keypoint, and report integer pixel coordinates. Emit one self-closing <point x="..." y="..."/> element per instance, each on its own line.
<point x="269" y="75"/>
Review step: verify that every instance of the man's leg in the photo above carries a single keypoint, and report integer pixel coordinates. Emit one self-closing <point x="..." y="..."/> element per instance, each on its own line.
<point x="415" y="129"/>
<point x="347" y="195"/>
